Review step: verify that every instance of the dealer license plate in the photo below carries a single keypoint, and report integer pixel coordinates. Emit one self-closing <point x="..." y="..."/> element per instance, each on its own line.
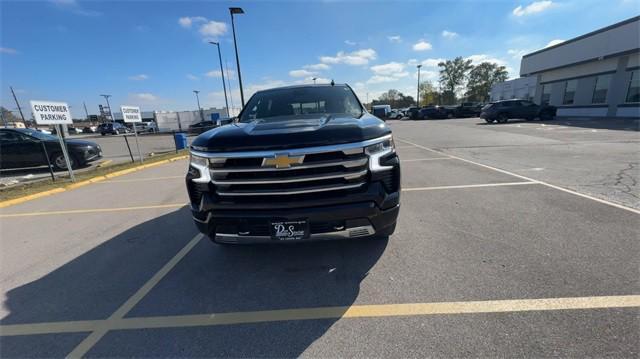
<point x="289" y="230"/>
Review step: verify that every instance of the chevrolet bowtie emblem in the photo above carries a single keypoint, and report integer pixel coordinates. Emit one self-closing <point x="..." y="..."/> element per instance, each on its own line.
<point x="282" y="160"/>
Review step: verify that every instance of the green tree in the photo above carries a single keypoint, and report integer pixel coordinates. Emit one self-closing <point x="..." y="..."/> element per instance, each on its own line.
<point x="429" y="95"/>
<point x="8" y="116"/>
<point x="482" y="77"/>
<point x="395" y="99"/>
<point x="453" y="75"/>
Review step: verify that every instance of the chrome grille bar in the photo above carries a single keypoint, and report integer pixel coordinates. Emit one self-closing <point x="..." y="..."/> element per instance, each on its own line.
<point x="331" y="175"/>
<point x="346" y="163"/>
<point x="276" y="192"/>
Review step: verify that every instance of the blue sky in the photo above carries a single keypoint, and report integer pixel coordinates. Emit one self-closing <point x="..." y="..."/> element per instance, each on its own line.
<point x="154" y="53"/>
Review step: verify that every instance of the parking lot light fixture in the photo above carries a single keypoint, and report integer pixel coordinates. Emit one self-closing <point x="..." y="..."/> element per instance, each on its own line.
<point x="106" y="97"/>
<point x="314" y="80"/>
<point x="224" y="86"/>
<point x="198" y="101"/>
<point x="418" y="95"/>
<point x="237" y="10"/>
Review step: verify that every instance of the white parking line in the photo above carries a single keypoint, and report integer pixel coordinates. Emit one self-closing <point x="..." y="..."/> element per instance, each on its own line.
<point x="427" y="159"/>
<point x="468" y="186"/>
<point x="526" y="178"/>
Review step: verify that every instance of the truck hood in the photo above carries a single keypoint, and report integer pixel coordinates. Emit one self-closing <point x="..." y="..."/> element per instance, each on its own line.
<point x="290" y="132"/>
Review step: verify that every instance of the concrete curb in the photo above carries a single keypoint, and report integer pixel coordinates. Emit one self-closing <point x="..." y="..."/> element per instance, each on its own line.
<point x="95" y="179"/>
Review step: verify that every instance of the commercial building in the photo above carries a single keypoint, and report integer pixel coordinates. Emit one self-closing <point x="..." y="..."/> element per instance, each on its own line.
<point x="593" y="75"/>
<point x="521" y="88"/>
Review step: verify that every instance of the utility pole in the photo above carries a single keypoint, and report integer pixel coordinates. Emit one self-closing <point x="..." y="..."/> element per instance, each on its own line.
<point x="106" y="97"/>
<point x="237" y="10"/>
<point x="418" y="97"/>
<point x="85" y="110"/>
<point x="199" y="108"/>
<point x="224" y="86"/>
<point x="229" y="83"/>
<point x="18" y="104"/>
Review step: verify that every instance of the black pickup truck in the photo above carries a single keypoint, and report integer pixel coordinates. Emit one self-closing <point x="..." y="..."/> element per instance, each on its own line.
<point x="299" y="163"/>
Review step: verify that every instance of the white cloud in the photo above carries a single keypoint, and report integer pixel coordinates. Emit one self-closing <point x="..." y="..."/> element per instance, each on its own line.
<point x="140" y="77"/>
<point x="479" y="58"/>
<point x="360" y="57"/>
<point x="319" y="80"/>
<point x="8" y="50"/>
<point x="377" y="79"/>
<point x="316" y="67"/>
<point x="517" y="53"/>
<point x="533" y="8"/>
<point x="218" y="74"/>
<point x="388" y="69"/>
<point x="431" y="62"/>
<point x="145" y="97"/>
<point x="213" y="29"/>
<point x="422" y="46"/>
<point x="192" y="77"/>
<point x="350" y="43"/>
<point x="394" y="38"/>
<point x="301" y="73"/>
<point x="449" y="34"/>
<point x="187" y="21"/>
<point x="392" y="71"/>
<point x="554" y="42"/>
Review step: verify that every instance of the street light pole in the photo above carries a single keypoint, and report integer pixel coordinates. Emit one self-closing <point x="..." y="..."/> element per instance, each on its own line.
<point x="418" y="97"/>
<point x="199" y="108"/>
<point x="314" y="80"/>
<point x="224" y="86"/>
<point x="18" y="104"/>
<point x="106" y="97"/>
<point x="237" y="10"/>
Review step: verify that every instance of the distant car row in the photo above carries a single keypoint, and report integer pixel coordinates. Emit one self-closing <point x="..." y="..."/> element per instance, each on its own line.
<point x="499" y="111"/>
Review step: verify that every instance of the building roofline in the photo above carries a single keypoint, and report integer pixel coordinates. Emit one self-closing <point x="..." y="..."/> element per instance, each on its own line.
<point x="607" y="28"/>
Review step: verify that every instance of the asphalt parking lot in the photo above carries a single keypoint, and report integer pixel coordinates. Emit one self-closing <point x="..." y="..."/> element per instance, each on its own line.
<point x="516" y="240"/>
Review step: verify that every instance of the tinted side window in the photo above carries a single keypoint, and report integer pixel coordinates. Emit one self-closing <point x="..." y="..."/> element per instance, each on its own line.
<point x="8" y="136"/>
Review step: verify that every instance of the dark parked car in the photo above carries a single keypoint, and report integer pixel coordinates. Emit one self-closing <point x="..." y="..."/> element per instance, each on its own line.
<point x="432" y="112"/>
<point x="202" y="126"/>
<point x="301" y="163"/>
<point x="22" y="147"/>
<point x="467" y="109"/>
<point x="112" y="128"/>
<point x="413" y="113"/>
<point x="502" y="111"/>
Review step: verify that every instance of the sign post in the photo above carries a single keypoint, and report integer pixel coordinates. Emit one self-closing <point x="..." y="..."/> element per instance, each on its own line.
<point x="132" y="114"/>
<point x="54" y="113"/>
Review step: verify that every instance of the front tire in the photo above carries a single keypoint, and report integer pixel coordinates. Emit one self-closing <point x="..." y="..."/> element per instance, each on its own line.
<point x="58" y="162"/>
<point x="502" y="118"/>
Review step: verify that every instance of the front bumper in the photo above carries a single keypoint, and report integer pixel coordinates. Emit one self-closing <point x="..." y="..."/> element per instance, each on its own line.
<point x="344" y="221"/>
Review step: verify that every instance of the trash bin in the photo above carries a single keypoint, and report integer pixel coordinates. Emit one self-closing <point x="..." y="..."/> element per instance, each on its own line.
<point x="181" y="140"/>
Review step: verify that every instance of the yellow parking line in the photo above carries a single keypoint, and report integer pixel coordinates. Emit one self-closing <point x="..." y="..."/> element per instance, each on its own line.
<point x="142" y="179"/>
<point x="355" y="311"/>
<point x="91" y="210"/>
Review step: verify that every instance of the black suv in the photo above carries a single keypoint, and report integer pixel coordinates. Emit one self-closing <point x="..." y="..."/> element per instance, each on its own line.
<point x="502" y="111"/>
<point x="300" y="163"/>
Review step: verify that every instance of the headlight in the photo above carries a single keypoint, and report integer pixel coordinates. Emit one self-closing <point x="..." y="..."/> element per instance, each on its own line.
<point x="383" y="146"/>
<point x="378" y="150"/>
<point x="198" y="161"/>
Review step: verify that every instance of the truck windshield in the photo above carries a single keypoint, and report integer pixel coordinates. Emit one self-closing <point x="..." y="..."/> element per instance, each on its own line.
<point x="302" y="101"/>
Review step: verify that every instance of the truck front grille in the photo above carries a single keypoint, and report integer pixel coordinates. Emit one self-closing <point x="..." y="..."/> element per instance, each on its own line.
<point x="315" y="173"/>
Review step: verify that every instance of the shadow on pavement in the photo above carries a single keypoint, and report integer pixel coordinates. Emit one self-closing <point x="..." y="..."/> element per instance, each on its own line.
<point x="210" y="279"/>
<point x="619" y="124"/>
